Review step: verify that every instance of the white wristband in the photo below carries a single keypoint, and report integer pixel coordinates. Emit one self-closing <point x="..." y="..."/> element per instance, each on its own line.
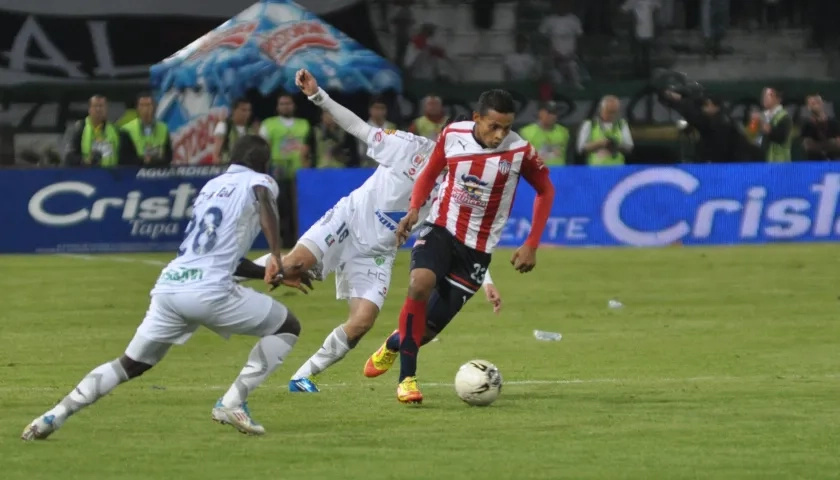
<point x="319" y="97"/>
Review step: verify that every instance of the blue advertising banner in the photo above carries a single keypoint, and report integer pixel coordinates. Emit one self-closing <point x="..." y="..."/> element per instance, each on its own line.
<point x="107" y="210"/>
<point x="651" y="206"/>
<point x="98" y="210"/>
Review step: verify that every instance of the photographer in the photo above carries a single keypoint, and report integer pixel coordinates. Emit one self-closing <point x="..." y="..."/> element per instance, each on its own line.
<point x="604" y="140"/>
<point x="95" y="141"/>
<point x="719" y="135"/>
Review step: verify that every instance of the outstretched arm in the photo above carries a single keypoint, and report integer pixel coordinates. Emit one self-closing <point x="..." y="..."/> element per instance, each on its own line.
<point x="347" y="120"/>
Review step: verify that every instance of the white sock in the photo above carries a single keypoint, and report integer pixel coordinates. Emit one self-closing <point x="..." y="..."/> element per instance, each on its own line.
<point x="334" y="349"/>
<point x="266" y="356"/>
<point x="96" y="384"/>
<point x="263" y="261"/>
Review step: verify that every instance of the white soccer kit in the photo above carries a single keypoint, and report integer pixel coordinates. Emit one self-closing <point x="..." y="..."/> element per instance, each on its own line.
<point x="197" y="287"/>
<point x="357" y="236"/>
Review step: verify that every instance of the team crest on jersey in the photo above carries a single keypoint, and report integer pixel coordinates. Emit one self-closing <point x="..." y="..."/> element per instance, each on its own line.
<point x="470" y="191"/>
<point x="417" y="160"/>
<point x="504" y="167"/>
<point x="379" y="260"/>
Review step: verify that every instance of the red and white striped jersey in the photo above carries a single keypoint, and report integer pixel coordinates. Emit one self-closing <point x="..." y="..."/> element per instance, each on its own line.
<point x="476" y="196"/>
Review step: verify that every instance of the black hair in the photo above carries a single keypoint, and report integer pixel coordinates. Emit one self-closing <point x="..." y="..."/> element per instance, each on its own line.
<point x="499" y="100"/>
<point x="252" y="151"/>
<point x="239" y="101"/>
<point x="144" y="94"/>
<point x="378" y="100"/>
<point x="96" y="96"/>
<point x="459" y="118"/>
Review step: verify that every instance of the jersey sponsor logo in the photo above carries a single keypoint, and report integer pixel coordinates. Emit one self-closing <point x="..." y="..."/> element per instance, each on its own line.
<point x="149" y="217"/>
<point x="390" y="219"/>
<point x="469" y="191"/>
<point x="181" y="275"/>
<point x="504" y="167"/>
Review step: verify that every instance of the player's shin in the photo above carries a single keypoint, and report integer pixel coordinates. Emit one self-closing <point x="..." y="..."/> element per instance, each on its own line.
<point x="265" y="357"/>
<point x="96" y="384"/>
<point x="335" y="347"/>
<point x="412" y="328"/>
<point x="340" y="341"/>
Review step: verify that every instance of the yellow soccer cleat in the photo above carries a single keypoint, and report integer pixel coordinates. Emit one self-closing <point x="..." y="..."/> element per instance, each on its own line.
<point x="408" y="392"/>
<point x="381" y="361"/>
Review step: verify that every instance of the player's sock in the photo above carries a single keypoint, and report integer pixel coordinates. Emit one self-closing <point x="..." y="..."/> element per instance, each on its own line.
<point x="266" y="356"/>
<point x="393" y="342"/>
<point x="96" y="384"/>
<point x="335" y="347"/>
<point x="412" y="328"/>
<point x="437" y="312"/>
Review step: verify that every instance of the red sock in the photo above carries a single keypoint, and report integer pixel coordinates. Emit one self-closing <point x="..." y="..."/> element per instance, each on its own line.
<point x="412" y="328"/>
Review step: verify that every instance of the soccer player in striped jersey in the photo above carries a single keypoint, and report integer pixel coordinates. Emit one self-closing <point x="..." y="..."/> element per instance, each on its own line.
<point x="355" y="239"/>
<point x="484" y="159"/>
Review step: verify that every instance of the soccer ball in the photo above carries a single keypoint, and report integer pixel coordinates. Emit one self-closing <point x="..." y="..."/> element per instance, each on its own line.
<point x="478" y="383"/>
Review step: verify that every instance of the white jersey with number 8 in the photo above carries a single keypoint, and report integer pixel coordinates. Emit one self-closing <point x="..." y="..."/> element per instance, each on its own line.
<point x="224" y="224"/>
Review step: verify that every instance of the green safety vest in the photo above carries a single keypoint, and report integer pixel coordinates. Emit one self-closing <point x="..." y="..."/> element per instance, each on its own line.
<point x="779" y="152"/>
<point x="286" y="142"/>
<point x="107" y="143"/>
<point x="326" y="144"/>
<point x="597" y="133"/>
<point x="231" y="138"/>
<point x="147" y="141"/>
<point x="427" y="128"/>
<point x="550" y="144"/>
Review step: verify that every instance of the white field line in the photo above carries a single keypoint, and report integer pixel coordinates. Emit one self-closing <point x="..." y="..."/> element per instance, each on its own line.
<point x="109" y="258"/>
<point x="592" y="381"/>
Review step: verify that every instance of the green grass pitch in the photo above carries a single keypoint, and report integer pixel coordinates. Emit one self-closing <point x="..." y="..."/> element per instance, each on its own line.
<point x="723" y="364"/>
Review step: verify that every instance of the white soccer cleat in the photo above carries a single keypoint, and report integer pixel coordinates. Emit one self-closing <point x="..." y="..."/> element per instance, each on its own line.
<point x="40" y="428"/>
<point x="237" y="417"/>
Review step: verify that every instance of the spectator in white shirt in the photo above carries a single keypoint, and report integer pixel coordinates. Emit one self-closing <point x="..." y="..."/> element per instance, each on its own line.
<point x="521" y="65"/>
<point x="643" y="11"/>
<point x="563" y="29"/>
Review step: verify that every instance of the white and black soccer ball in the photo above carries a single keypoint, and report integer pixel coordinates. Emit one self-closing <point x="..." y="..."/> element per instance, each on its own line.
<point x="478" y="383"/>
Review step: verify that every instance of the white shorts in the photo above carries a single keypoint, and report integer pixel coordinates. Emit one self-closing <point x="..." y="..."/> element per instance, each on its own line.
<point x="174" y="317"/>
<point x="357" y="274"/>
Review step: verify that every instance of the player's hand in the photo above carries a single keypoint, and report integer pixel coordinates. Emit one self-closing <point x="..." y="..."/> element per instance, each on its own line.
<point x="524" y="259"/>
<point x="306" y="82"/>
<point x="272" y="269"/>
<point x="493" y="296"/>
<point x="304" y="284"/>
<point x="406" y="224"/>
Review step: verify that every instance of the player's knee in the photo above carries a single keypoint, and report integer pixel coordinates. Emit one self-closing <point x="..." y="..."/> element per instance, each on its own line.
<point x="291" y="326"/>
<point x="421" y="284"/>
<point x="132" y="367"/>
